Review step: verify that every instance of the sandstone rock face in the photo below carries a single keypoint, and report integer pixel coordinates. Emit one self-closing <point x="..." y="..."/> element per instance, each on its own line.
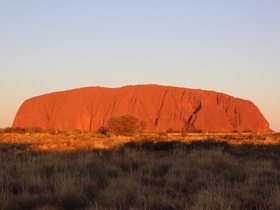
<point x="163" y="107"/>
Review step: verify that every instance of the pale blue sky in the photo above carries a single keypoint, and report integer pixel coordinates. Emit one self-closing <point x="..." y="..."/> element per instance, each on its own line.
<point x="226" y="46"/>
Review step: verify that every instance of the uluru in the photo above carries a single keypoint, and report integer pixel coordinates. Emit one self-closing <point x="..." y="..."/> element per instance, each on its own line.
<point x="163" y="107"/>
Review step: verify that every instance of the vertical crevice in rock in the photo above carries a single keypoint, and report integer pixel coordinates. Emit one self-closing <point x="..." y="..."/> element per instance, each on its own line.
<point x="159" y="112"/>
<point x="156" y="122"/>
<point x="192" y="118"/>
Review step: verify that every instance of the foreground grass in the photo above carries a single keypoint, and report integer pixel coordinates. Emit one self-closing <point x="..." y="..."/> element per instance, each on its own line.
<point x="146" y="175"/>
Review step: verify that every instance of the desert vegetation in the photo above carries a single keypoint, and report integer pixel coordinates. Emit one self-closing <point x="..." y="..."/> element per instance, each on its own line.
<point x="78" y="140"/>
<point x="126" y="125"/>
<point x="144" y="173"/>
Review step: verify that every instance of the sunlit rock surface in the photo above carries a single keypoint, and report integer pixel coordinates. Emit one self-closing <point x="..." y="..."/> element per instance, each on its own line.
<point x="163" y="107"/>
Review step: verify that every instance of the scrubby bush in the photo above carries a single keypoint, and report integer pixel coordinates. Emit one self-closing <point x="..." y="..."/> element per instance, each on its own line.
<point x="126" y="124"/>
<point x="35" y="130"/>
<point x="102" y="130"/>
<point x="18" y="130"/>
<point x="171" y="130"/>
<point x="192" y="131"/>
<point x="247" y="131"/>
<point x="8" y="130"/>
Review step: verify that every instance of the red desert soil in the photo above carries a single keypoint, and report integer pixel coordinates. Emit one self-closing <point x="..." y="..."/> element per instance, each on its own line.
<point x="163" y="107"/>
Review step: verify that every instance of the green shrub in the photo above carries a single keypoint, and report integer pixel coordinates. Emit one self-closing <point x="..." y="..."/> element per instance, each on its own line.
<point x="126" y="124"/>
<point x="35" y="130"/>
<point x="103" y="130"/>
<point x="8" y="130"/>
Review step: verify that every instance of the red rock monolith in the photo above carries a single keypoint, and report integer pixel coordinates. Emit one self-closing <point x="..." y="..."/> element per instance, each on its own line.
<point x="163" y="107"/>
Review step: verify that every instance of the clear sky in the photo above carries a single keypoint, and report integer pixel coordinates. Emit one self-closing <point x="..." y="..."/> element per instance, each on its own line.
<point x="226" y="46"/>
